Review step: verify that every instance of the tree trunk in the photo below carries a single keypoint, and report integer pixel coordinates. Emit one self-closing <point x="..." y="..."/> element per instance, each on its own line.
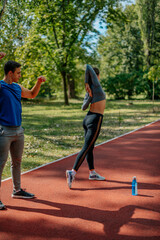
<point x="63" y="73"/>
<point x="153" y="92"/>
<point x="71" y="87"/>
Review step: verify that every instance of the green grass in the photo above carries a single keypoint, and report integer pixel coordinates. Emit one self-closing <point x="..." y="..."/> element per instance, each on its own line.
<point x="53" y="130"/>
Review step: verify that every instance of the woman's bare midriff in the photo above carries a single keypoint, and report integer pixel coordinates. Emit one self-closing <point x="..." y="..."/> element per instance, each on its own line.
<point x="98" y="107"/>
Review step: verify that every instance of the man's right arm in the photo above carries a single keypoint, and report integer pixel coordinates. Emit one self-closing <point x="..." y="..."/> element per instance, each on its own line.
<point x="26" y="93"/>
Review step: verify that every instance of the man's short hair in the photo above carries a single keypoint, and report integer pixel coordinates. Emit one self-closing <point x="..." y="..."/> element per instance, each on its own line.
<point x="11" y="66"/>
<point x="96" y="70"/>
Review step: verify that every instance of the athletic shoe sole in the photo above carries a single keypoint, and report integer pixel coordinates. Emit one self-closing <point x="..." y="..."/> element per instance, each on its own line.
<point x="2" y="207"/>
<point x="97" y="179"/>
<point x="22" y="197"/>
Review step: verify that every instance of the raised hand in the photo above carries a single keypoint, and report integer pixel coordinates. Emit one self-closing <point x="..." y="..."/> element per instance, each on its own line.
<point x="88" y="89"/>
<point x="41" y="79"/>
<point x="2" y="54"/>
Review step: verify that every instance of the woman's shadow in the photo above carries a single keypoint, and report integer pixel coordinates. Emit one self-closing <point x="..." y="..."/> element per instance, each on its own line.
<point x="111" y="220"/>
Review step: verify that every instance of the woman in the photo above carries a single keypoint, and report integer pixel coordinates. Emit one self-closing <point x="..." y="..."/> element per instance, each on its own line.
<point x="92" y="122"/>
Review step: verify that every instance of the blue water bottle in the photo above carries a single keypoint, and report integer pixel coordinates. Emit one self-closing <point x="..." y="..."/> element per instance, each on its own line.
<point x="134" y="187"/>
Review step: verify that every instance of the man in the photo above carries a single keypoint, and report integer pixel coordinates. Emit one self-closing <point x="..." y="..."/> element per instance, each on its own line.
<point x="11" y="132"/>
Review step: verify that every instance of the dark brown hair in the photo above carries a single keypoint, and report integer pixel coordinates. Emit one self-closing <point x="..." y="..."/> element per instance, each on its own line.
<point x="11" y="66"/>
<point x="96" y="70"/>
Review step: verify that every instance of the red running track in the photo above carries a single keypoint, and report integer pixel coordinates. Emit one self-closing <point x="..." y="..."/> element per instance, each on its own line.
<point x="91" y="210"/>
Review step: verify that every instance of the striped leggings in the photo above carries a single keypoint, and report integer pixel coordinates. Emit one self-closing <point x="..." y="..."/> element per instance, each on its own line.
<point x="92" y="125"/>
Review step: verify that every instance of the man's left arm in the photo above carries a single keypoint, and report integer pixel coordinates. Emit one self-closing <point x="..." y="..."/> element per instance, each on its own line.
<point x="26" y="93"/>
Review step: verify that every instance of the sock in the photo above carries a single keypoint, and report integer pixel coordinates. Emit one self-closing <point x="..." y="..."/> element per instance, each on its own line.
<point x="92" y="171"/>
<point x="74" y="172"/>
<point x="17" y="190"/>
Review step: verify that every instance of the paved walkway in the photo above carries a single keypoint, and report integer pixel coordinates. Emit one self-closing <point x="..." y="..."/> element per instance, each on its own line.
<point x="92" y="210"/>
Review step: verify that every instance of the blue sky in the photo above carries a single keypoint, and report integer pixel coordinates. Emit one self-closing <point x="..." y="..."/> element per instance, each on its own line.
<point x="102" y="28"/>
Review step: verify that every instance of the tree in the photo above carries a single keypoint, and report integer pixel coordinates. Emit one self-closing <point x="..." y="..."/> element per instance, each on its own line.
<point x="62" y="27"/>
<point x="14" y="27"/>
<point x="121" y="49"/>
<point x="149" y="23"/>
<point x="148" y="15"/>
<point x="154" y="76"/>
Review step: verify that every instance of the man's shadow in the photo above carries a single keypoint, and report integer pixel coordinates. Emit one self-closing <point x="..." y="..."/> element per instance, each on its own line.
<point x="111" y="220"/>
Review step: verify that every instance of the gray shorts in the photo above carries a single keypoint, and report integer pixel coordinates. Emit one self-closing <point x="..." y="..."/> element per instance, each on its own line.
<point x="12" y="141"/>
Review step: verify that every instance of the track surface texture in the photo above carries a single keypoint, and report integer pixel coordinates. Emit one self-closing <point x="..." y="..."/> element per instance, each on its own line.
<point x="91" y="210"/>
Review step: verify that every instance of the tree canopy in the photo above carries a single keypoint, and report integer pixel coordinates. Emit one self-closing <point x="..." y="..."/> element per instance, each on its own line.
<point x="53" y="38"/>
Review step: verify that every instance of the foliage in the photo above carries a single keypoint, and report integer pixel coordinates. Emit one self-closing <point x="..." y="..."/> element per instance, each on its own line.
<point x="122" y="61"/>
<point x="58" y="30"/>
<point x="14" y="27"/>
<point x="149" y="23"/>
<point x="125" y="85"/>
<point x="121" y="48"/>
<point x="52" y="38"/>
<point x="2" y="6"/>
<point x="153" y="82"/>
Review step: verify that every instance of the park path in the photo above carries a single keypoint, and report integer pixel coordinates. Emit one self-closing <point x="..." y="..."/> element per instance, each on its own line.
<point x="91" y="210"/>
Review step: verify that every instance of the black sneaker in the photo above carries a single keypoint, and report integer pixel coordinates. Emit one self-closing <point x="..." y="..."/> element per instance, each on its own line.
<point x="22" y="194"/>
<point x="2" y="206"/>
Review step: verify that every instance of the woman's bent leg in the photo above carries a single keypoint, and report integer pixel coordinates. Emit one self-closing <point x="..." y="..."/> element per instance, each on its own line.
<point x="93" y="123"/>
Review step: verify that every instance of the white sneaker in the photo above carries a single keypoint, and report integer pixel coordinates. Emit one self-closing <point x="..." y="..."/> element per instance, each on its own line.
<point x="70" y="177"/>
<point x="96" y="176"/>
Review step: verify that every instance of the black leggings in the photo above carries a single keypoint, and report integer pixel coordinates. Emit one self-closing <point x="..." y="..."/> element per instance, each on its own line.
<point x="92" y="125"/>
